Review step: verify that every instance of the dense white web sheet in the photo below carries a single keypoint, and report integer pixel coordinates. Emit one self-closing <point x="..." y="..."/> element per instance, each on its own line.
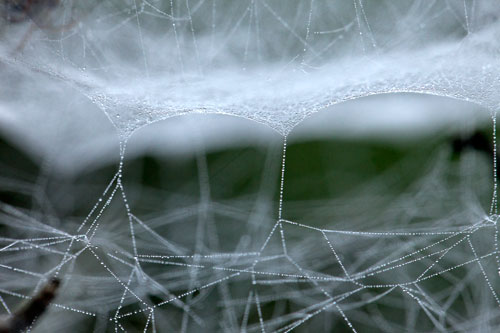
<point x="186" y="266"/>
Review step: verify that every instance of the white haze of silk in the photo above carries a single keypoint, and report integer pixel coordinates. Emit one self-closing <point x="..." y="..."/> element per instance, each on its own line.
<point x="247" y="59"/>
<point x="76" y="94"/>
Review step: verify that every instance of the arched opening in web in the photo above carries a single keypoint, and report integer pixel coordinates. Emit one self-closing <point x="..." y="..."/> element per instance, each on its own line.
<point x="373" y="218"/>
<point x="394" y="216"/>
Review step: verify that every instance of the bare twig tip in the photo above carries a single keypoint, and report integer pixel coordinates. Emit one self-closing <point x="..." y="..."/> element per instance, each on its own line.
<point x="31" y="311"/>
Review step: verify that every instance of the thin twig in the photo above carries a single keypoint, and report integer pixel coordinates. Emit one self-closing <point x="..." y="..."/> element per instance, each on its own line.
<point x="26" y="316"/>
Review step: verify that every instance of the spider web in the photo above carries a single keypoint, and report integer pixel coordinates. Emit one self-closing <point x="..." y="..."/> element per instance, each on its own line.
<point x="187" y="255"/>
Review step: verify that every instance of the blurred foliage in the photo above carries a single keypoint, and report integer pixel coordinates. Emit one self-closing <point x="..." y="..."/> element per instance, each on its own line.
<point x="319" y="174"/>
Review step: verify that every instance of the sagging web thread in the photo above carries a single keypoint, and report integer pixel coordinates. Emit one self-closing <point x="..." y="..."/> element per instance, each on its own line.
<point x="89" y="227"/>
<point x="255" y="300"/>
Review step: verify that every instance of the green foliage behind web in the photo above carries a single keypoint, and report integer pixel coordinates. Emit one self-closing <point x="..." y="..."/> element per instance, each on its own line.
<point x="362" y="185"/>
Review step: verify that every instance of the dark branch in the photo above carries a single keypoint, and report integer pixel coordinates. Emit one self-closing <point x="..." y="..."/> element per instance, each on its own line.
<point x="25" y="317"/>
